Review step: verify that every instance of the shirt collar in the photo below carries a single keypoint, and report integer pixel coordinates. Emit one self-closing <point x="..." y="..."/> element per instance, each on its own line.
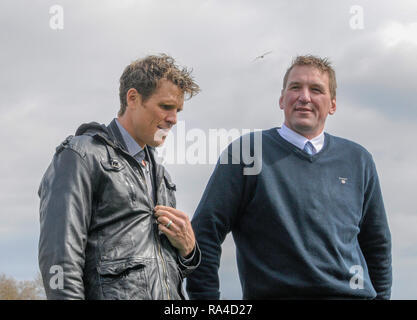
<point x="298" y="140"/>
<point x="133" y="147"/>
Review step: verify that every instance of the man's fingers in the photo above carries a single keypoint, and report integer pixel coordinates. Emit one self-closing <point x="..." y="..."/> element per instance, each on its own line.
<point x="167" y="231"/>
<point x="160" y="207"/>
<point x="171" y="210"/>
<point x="167" y="222"/>
<point x="176" y="224"/>
<point x="159" y="214"/>
<point x="180" y="221"/>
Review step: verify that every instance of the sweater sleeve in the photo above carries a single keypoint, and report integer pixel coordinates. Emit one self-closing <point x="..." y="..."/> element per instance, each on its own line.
<point x="212" y="221"/>
<point x="375" y="238"/>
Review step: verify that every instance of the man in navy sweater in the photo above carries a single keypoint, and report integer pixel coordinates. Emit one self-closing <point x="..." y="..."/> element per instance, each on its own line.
<point x="312" y="223"/>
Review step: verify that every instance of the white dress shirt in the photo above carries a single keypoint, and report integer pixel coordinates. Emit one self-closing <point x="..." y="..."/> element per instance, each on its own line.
<point x="298" y="140"/>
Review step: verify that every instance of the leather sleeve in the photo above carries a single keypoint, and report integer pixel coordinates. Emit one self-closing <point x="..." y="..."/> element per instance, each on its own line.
<point x="65" y="211"/>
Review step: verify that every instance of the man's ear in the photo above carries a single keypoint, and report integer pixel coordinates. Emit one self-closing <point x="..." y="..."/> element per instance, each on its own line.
<point x="133" y="98"/>
<point x="280" y="102"/>
<point x="332" y="109"/>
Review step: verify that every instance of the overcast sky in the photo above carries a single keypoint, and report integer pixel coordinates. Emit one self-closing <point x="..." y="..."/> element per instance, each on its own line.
<point x="52" y="80"/>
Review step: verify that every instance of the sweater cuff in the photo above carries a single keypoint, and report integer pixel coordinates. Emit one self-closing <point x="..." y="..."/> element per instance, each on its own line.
<point x="191" y="262"/>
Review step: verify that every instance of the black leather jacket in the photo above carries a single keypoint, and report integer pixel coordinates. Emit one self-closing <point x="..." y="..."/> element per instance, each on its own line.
<point x="98" y="235"/>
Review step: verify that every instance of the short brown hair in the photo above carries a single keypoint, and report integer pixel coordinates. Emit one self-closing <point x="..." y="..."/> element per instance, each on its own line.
<point x="144" y="75"/>
<point x="323" y="64"/>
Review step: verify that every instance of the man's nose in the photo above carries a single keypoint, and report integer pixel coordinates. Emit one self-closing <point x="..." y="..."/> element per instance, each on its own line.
<point x="172" y="117"/>
<point x="304" y="96"/>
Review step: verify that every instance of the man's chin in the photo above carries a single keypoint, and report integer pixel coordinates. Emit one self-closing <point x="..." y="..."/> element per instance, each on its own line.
<point x="157" y="143"/>
<point x="307" y="131"/>
<point x="159" y="137"/>
<point x="302" y="125"/>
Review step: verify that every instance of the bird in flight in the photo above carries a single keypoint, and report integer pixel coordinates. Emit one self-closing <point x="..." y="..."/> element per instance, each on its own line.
<point x="262" y="56"/>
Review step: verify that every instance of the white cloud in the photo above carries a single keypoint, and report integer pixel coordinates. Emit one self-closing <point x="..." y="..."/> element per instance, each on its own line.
<point x="396" y="32"/>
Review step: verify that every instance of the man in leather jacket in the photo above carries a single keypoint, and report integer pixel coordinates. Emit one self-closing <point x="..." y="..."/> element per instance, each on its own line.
<point x="108" y="224"/>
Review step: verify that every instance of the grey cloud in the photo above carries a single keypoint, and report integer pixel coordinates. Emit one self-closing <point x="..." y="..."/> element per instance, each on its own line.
<point x="52" y="81"/>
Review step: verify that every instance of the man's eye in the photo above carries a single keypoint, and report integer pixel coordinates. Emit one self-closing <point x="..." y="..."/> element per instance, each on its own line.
<point x="317" y="90"/>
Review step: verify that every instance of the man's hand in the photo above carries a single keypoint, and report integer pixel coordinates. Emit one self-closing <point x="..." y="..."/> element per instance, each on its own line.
<point x="176" y="225"/>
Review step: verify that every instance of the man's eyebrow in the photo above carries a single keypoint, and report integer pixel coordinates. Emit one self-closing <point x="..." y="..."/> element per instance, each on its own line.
<point x="167" y="104"/>
<point x="293" y="82"/>
<point x="318" y="84"/>
<point x="170" y="105"/>
<point x="315" y="84"/>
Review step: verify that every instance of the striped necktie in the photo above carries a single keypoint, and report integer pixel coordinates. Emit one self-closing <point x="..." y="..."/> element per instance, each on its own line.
<point x="309" y="148"/>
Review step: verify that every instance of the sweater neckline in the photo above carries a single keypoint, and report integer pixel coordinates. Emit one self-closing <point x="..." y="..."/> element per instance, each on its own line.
<point x="299" y="152"/>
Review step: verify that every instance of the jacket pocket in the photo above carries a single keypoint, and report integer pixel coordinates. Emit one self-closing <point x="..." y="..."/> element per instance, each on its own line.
<point x="124" y="280"/>
<point x="118" y="178"/>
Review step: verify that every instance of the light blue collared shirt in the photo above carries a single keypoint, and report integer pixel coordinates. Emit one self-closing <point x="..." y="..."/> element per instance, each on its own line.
<point x="299" y="141"/>
<point x="136" y="151"/>
<point x="133" y="147"/>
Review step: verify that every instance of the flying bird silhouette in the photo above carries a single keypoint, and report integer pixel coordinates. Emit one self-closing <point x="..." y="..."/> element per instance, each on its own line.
<point x="262" y="56"/>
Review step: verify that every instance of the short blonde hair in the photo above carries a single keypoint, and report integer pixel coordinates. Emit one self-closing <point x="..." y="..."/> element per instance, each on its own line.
<point x="323" y="64"/>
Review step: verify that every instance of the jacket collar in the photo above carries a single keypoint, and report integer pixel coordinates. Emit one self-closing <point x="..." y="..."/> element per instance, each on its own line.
<point x="116" y="136"/>
<point x="111" y="136"/>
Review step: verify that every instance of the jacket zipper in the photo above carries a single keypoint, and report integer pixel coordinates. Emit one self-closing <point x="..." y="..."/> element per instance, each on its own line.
<point x="164" y="268"/>
<point x="158" y="241"/>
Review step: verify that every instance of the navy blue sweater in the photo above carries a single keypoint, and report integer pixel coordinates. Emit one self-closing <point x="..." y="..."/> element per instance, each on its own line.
<point x="304" y="227"/>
